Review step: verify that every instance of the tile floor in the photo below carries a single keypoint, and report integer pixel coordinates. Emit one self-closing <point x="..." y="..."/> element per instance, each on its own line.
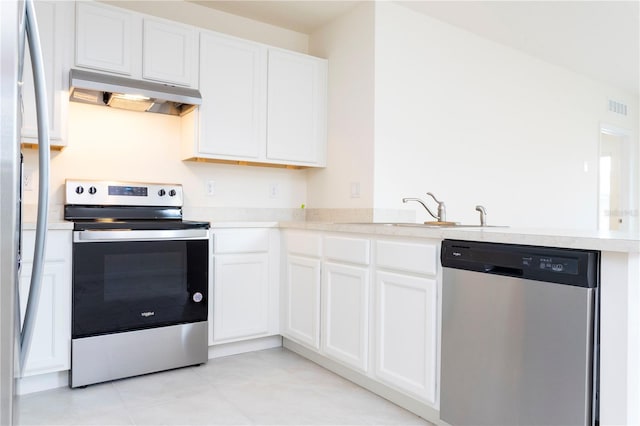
<point x="270" y="387"/>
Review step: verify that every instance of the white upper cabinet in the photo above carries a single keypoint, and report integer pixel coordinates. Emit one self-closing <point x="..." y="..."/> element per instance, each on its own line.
<point x="114" y="40"/>
<point x="108" y="39"/>
<point x="260" y="105"/>
<point x="297" y="104"/>
<point x="54" y="20"/>
<point x="169" y="50"/>
<point x="233" y="87"/>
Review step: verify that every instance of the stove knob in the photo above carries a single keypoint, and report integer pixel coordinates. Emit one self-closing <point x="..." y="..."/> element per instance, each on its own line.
<point x="79" y="189"/>
<point x="162" y="192"/>
<point x="197" y="297"/>
<point x="92" y="190"/>
<point x="172" y="193"/>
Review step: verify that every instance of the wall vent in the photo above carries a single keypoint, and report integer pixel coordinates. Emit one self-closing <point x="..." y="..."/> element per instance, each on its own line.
<point x="617" y="107"/>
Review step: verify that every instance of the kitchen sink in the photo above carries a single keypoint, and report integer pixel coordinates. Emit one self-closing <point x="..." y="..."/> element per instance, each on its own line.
<point x="424" y="225"/>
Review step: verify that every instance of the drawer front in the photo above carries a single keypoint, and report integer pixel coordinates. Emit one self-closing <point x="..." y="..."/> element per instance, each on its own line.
<point x="304" y="243"/>
<point x="240" y="240"/>
<point x="352" y="250"/>
<point x="420" y="258"/>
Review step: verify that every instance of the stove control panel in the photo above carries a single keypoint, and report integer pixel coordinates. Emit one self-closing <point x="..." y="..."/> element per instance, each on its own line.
<point x="114" y="193"/>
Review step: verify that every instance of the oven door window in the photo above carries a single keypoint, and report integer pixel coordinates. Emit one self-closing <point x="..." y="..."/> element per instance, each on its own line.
<point x="123" y="286"/>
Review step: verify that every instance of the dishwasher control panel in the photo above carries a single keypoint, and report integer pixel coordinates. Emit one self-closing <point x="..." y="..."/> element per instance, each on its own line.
<point x="554" y="264"/>
<point x="561" y="265"/>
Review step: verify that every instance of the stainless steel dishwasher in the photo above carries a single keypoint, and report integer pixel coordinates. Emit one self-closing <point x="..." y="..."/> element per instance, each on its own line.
<point x="519" y="334"/>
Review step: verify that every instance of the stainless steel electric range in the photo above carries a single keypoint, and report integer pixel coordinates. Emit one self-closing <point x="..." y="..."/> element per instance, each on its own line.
<point x="140" y="280"/>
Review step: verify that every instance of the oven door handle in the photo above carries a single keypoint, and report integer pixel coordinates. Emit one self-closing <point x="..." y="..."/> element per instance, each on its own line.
<point x="97" y="236"/>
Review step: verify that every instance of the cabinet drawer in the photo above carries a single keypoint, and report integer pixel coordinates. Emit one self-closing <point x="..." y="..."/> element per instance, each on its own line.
<point x="307" y="244"/>
<point x="58" y="245"/>
<point x="419" y="258"/>
<point x="240" y="240"/>
<point x="352" y="250"/>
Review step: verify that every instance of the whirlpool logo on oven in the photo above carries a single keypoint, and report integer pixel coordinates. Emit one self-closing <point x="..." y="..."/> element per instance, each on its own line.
<point x="147" y="314"/>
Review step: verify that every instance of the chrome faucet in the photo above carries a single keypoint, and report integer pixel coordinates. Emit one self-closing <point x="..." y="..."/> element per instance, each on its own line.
<point x="483" y="215"/>
<point x="442" y="212"/>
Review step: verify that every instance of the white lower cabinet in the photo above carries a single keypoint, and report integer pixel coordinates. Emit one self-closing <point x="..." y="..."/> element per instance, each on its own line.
<point x="51" y="343"/>
<point x="302" y="298"/>
<point x="240" y="291"/>
<point x="369" y="304"/>
<point x="406" y="333"/>
<point x="245" y="284"/>
<point x="345" y="314"/>
<point x="407" y="317"/>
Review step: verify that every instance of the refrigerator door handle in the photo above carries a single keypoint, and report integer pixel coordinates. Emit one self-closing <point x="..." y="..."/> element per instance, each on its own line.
<point x="33" y="38"/>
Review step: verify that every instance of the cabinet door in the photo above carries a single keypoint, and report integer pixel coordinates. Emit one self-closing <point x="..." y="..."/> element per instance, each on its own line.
<point x="108" y="39"/>
<point x="51" y="344"/>
<point x="296" y="108"/>
<point x="345" y="314"/>
<point x="53" y="28"/>
<point x="406" y="334"/>
<point x="241" y="296"/>
<point x="170" y="53"/>
<point x="302" y="309"/>
<point x="233" y="87"/>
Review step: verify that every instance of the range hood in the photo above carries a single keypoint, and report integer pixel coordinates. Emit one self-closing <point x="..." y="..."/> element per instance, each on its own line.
<point x="137" y="95"/>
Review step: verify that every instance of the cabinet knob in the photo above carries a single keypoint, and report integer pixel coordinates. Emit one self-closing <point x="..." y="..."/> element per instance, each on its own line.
<point x="197" y="297"/>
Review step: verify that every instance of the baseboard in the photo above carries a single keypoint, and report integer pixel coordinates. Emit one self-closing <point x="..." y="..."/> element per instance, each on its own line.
<point x="234" y="348"/>
<point x="415" y="406"/>
<point x="42" y="382"/>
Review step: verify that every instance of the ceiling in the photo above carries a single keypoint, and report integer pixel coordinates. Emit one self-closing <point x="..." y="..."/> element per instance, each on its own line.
<point x="600" y="39"/>
<point x="304" y="16"/>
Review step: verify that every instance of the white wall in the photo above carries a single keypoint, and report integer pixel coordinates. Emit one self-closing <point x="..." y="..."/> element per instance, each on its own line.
<point x="205" y="17"/>
<point x="347" y="43"/>
<point x="476" y="122"/>
<point x="106" y="143"/>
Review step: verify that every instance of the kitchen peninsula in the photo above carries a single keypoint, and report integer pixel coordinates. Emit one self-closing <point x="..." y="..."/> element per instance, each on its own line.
<point x="379" y="258"/>
<point x="619" y="300"/>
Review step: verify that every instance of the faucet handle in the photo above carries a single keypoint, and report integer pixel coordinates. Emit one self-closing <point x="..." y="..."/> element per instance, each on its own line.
<point x="434" y="197"/>
<point x="442" y="210"/>
<point x="483" y="215"/>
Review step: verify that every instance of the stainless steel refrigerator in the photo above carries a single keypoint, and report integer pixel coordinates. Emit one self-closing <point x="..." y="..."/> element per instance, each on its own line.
<point x="18" y="33"/>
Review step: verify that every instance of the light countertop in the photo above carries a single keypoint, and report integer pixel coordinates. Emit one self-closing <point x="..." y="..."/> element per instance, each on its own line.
<point x="581" y="239"/>
<point x="626" y="242"/>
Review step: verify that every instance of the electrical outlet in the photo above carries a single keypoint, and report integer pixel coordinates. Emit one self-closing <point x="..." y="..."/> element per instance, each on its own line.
<point x="27" y="180"/>
<point x="211" y="188"/>
<point x="355" y="189"/>
<point x="274" y="190"/>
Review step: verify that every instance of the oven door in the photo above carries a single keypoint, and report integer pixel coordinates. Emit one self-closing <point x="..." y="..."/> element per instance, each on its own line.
<point x="127" y="280"/>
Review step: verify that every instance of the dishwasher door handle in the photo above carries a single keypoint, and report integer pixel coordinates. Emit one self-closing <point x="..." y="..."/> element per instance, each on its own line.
<point x="503" y="270"/>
